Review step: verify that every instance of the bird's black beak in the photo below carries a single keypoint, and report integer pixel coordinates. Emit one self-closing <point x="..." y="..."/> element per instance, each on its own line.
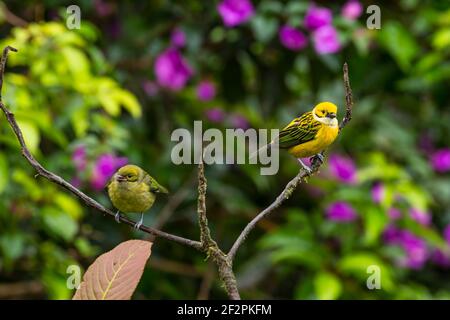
<point x="120" y="178"/>
<point x="331" y="115"/>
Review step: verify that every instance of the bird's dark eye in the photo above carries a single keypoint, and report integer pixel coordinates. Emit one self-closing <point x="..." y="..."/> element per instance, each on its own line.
<point x="130" y="176"/>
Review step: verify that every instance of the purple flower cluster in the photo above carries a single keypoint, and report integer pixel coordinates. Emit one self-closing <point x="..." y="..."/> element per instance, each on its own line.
<point x="104" y="168"/>
<point x="341" y="212"/>
<point x="343" y="168"/>
<point x="440" y="160"/>
<point x="416" y="249"/>
<point x="178" y="38"/>
<point x="206" y="90"/>
<point x="79" y="158"/>
<point x="292" y="38"/>
<point x="352" y="10"/>
<point x="420" y="216"/>
<point x="378" y="192"/>
<point x="172" y="70"/>
<point x="325" y="37"/>
<point x="235" y="12"/>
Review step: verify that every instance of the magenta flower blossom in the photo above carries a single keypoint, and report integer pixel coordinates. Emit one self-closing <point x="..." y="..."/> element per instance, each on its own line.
<point x="172" y="70"/>
<point x="420" y="216"/>
<point x="326" y="40"/>
<point x="292" y="38"/>
<point x="317" y="17"/>
<point x="178" y="38"/>
<point x="150" y="88"/>
<point x="352" y="10"/>
<point x="341" y="212"/>
<point x="215" y="115"/>
<point x="239" y="121"/>
<point x="378" y="192"/>
<point x="440" y="160"/>
<point x="447" y="234"/>
<point x="104" y="168"/>
<point x="79" y="158"/>
<point x="394" y="213"/>
<point x="343" y="168"/>
<point x="235" y="12"/>
<point x="206" y="91"/>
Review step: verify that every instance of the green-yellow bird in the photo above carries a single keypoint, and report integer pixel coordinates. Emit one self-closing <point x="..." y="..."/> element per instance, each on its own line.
<point x="132" y="190"/>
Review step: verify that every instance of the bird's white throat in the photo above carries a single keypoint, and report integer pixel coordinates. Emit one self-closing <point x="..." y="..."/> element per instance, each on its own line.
<point x="326" y="121"/>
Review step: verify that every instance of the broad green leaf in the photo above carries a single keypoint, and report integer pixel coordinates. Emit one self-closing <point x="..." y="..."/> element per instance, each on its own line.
<point x="129" y="102"/>
<point x="31" y="134"/>
<point x="327" y="286"/>
<point x="69" y="205"/>
<point x="115" y="274"/>
<point x="357" y="264"/>
<point x="59" y="223"/>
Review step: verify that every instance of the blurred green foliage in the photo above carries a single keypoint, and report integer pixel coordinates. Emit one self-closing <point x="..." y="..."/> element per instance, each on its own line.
<point x="88" y="87"/>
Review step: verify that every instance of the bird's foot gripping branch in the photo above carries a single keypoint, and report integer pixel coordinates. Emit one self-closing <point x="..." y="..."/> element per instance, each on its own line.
<point x="141" y="249"/>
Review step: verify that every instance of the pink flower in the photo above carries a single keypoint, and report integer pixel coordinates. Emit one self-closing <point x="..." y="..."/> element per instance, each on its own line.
<point x="178" y="38"/>
<point x="415" y="248"/>
<point x="79" y="158"/>
<point x="343" y="168"/>
<point x="341" y="212"/>
<point x="206" y="91"/>
<point x="317" y="17"/>
<point x="326" y="40"/>
<point x="239" y="121"/>
<point x="440" y="160"/>
<point x="292" y="38"/>
<point x="215" y="115"/>
<point x="352" y="10"/>
<point x="104" y="168"/>
<point x="420" y="216"/>
<point x="171" y="69"/>
<point x="235" y="12"/>
<point x="378" y="192"/>
<point x="394" y="213"/>
<point x="447" y="234"/>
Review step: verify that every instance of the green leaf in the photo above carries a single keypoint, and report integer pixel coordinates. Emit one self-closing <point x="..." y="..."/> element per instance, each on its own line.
<point x="129" y="102"/>
<point x="327" y="286"/>
<point x="31" y="134"/>
<point x="357" y="264"/>
<point x="399" y="43"/>
<point x="59" y="223"/>
<point x="264" y="27"/>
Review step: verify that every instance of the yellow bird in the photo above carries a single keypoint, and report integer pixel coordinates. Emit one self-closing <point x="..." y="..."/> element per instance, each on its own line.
<point x="311" y="133"/>
<point x="132" y="190"/>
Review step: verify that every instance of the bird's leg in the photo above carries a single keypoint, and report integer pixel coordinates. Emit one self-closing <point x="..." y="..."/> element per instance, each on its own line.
<point x="139" y="224"/>
<point x="117" y="216"/>
<point x="304" y="166"/>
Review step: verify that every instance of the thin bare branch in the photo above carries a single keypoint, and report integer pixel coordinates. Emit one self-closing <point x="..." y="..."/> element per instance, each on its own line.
<point x="302" y="175"/>
<point x="41" y="171"/>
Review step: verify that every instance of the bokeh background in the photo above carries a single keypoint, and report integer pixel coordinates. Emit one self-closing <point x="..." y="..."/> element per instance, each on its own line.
<point x="112" y="92"/>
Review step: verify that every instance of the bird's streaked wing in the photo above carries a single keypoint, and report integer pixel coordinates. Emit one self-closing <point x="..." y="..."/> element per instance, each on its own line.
<point x="299" y="131"/>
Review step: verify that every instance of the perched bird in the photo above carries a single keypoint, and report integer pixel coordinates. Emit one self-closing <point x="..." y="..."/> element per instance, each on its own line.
<point x="309" y="134"/>
<point x="132" y="190"/>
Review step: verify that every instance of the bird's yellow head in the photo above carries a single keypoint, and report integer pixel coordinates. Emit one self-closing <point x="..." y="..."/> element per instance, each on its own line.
<point x="326" y="113"/>
<point x="128" y="173"/>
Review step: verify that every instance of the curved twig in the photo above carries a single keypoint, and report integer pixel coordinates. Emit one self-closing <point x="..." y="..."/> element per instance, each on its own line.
<point x="292" y="185"/>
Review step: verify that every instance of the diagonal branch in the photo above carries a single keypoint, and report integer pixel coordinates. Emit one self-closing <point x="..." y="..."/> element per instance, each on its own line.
<point x="302" y="175"/>
<point x="41" y="171"/>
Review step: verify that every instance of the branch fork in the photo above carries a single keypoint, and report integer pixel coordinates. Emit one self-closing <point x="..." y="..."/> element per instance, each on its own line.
<point x="207" y="245"/>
